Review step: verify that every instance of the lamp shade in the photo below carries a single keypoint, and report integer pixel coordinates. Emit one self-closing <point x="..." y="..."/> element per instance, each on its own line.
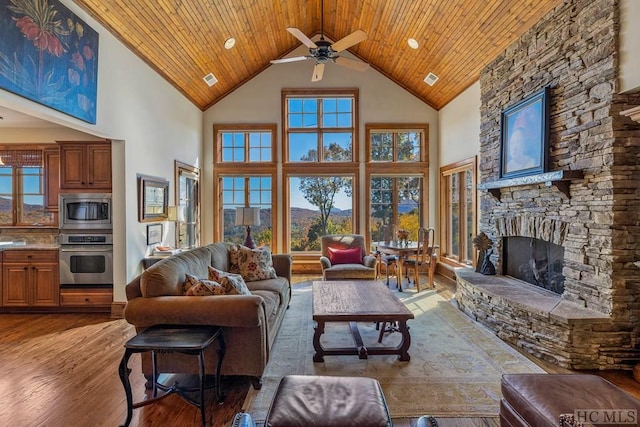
<point x="248" y="216"/>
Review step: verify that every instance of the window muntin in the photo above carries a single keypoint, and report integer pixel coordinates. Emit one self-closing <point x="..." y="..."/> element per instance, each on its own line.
<point x="22" y="189"/>
<point x="245" y="145"/>
<point x="241" y="191"/>
<point x="320" y="129"/>
<point x="396" y="145"/>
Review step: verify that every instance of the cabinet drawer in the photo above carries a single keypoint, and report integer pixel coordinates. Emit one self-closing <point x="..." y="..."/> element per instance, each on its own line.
<point x="78" y="297"/>
<point x="29" y="255"/>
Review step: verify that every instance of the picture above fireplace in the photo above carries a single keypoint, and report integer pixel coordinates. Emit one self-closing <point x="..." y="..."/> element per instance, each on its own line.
<point x="525" y="136"/>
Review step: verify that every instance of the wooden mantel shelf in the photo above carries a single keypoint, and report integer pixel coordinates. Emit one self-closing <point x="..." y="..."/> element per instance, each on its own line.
<point x="560" y="179"/>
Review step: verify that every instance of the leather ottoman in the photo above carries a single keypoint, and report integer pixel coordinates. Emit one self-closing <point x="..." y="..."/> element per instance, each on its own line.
<point x="538" y="400"/>
<point x="308" y="401"/>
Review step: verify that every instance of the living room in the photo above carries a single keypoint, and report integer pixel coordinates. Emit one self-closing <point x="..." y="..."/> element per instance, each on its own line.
<point x="159" y="126"/>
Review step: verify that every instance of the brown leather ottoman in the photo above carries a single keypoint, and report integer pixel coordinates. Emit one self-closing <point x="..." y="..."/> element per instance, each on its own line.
<point x="308" y="401"/>
<point x="538" y="400"/>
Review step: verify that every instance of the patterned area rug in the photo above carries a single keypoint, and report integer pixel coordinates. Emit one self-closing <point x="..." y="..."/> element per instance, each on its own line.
<point x="454" y="371"/>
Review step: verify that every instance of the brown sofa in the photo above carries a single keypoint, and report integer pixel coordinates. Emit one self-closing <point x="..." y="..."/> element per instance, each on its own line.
<point x="249" y="322"/>
<point x="553" y="400"/>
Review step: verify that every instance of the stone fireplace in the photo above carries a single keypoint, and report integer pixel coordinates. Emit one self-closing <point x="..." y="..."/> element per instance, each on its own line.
<point x="582" y="215"/>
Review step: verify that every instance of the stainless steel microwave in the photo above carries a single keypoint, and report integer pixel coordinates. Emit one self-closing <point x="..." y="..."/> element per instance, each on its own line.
<point x="85" y="211"/>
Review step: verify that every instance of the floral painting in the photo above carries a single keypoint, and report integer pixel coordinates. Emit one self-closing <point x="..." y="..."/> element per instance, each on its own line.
<point x="49" y="55"/>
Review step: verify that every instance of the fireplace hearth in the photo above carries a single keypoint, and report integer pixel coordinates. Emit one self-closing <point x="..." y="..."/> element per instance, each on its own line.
<point x="534" y="261"/>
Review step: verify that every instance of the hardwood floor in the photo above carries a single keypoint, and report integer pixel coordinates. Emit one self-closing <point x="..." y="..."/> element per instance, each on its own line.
<point x="61" y="370"/>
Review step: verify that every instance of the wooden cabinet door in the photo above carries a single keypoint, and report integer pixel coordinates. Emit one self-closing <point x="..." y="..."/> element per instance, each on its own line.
<point x="15" y="285"/>
<point x="99" y="166"/>
<point x="52" y="170"/>
<point x="72" y="166"/>
<point x="45" y="283"/>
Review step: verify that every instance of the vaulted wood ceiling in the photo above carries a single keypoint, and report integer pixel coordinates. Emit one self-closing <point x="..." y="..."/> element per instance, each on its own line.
<point x="183" y="39"/>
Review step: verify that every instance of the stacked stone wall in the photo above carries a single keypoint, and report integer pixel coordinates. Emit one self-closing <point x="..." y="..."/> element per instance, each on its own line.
<point x="574" y="52"/>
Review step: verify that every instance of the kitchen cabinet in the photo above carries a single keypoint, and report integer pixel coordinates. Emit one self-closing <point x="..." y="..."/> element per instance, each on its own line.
<point x="52" y="171"/>
<point x="98" y="299"/>
<point x="30" y="278"/>
<point x="85" y="166"/>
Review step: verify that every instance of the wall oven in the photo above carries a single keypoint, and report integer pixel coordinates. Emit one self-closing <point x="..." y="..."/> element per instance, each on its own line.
<point x="85" y="211"/>
<point x="86" y="259"/>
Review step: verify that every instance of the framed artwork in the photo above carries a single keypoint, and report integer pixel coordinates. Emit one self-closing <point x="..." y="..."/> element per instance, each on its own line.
<point x="154" y="234"/>
<point x="50" y="56"/>
<point x="524" y="136"/>
<point x="153" y="199"/>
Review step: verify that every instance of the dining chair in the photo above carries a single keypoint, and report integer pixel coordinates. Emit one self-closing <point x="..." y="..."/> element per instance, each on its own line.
<point x="423" y="259"/>
<point x="389" y="233"/>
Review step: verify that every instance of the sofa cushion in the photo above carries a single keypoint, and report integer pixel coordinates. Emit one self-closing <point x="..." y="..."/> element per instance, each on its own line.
<point x="166" y="277"/>
<point x="233" y="284"/>
<point x="345" y="256"/>
<point x="201" y="287"/>
<point x="251" y="264"/>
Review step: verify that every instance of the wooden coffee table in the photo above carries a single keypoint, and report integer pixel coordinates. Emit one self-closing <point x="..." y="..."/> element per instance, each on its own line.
<point x="358" y="301"/>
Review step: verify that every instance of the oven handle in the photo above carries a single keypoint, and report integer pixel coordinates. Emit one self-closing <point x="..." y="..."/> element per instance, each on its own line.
<point x="85" y="249"/>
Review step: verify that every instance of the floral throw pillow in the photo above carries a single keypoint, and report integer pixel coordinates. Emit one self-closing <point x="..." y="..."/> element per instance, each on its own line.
<point x="252" y="264"/>
<point x="201" y="287"/>
<point x="233" y="284"/>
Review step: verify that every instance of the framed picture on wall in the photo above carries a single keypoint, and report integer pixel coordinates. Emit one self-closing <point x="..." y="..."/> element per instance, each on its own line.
<point x="525" y="136"/>
<point x="153" y="199"/>
<point x="154" y="234"/>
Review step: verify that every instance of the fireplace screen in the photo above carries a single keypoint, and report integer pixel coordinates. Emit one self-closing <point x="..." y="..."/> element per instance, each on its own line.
<point x="534" y="261"/>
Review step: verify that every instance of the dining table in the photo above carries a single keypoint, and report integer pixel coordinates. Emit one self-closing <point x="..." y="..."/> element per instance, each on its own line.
<point x="401" y="249"/>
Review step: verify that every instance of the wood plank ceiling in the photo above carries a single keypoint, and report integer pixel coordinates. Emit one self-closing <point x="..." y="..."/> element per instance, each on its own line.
<point x="183" y="39"/>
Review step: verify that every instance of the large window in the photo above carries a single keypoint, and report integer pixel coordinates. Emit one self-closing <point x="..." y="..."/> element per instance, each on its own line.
<point x="22" y="189"/>
<point x="187" y="206"/>
<point x="320" y="146"/>
<point x="240" y="191"/>
<point x="320" y="128"/>
<point x="397" y="170"/>
<point x="244" y="172"/>
<point x="458" y="212"/>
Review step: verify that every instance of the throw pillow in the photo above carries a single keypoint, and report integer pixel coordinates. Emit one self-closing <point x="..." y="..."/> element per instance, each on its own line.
<point x="252" y="264"/>
<point x="200" y="287"/>
<point x="233" y="284"/>
<point x="345" y="256"/>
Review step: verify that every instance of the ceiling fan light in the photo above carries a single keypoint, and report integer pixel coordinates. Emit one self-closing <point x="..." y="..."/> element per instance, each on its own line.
<point x="431" y="79"/>
<point x="413" y="43"/>
<point x="210" y="79"/>
<point x="229" y="43"/>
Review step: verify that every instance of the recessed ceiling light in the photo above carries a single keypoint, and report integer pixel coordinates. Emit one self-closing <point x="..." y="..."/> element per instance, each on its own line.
<point x="431" y="79"/>
<point x="413" y="43"/>
<point x="210" y="79"/>
<point x="229" y="43"/>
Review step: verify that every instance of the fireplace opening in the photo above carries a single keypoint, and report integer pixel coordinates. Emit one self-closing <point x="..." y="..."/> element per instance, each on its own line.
<point x="534" y="261"/>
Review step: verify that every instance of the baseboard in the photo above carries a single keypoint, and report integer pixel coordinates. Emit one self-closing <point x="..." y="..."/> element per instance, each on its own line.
<point x="117" y="310"/>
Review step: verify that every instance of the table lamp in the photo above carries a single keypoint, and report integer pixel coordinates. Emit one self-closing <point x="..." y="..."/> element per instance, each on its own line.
<point x="248" y="216"/>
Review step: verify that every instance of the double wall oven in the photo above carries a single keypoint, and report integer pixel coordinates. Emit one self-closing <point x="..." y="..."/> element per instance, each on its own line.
<point x="86" y="240"/>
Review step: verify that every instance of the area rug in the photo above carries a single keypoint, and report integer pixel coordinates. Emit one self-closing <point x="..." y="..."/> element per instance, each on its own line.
<point x="455" y="367"/>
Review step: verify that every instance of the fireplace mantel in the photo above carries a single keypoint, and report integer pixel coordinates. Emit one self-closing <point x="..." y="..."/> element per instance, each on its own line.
<point x="560" y="179"/>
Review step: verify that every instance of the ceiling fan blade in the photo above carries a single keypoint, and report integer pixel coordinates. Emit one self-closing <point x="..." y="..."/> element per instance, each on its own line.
<point x="292" y="59"/>
<point x="302" y="37"/>
<point x="348" y="41"/>
<point x="318" y="71"/>
<point x="350" y="63"/>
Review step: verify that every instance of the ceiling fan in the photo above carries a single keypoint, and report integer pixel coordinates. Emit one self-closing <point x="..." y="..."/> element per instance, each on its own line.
<point x="323" y="51"/>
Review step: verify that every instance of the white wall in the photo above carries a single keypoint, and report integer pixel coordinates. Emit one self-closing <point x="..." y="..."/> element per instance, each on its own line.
<point x="259" y="101"/>
<point x="151" y="123"/>
<point x="460" y="127"/>
<point x="629" y="45"/>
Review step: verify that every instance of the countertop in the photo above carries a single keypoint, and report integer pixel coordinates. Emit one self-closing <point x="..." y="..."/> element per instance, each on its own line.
<point x="27" y="246"/>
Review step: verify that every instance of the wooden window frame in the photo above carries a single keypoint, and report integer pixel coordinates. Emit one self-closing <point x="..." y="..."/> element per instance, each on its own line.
<point x="318" y="94"/>
<point x="219" y="129"/>
<point x="460" y="167"/>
